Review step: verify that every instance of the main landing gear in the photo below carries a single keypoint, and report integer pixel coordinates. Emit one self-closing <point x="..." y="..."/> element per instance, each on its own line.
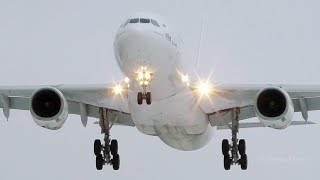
<point x="236" y="149"/>
<point x="104" y="151"/>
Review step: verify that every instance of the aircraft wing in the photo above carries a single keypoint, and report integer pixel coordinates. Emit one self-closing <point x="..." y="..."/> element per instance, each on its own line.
<point x="83" y="100"/>
<point x="225" y="98"/>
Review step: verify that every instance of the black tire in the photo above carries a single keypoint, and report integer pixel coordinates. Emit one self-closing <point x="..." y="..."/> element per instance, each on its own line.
<point x="242" y="147"/>
<point x="148" y="98"/>
<point x="99" y="162"/>
<point x="244" y="162"/>
<point x="225" y="147"/>
<point x="97" y="147"/>
<point x="227" y="162"/>
<point x="116" y="162"/>
<point x="139" y="98"/>
<point x="114" y="147"/>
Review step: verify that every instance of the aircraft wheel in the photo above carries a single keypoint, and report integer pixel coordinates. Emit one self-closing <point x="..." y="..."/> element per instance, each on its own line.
<point x="225" y="147"/>
<point x="116" y="162"/>
<point x="227" y="162"/>
<point x="148" y="98"/>
<point x="243" y="162"/>
<point x="114" y="147"/>
<point x="242" y="147"/>
<point x="97" y="147"/>
<point x="99" y="162"/>
<point x="140" y="98"/>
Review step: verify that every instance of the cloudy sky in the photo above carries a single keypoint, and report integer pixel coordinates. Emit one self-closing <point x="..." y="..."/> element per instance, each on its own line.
<point x="70" y="42"/>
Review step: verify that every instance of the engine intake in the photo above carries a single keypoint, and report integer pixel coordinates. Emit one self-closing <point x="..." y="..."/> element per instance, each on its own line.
<point x="49" y="108"/>
<point x="274" y="107"/>
<point x="271" y="103"/>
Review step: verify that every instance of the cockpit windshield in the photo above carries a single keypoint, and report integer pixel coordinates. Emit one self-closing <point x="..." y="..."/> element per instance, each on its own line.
<point x="154" y="22"/>
<point x="144" y="21"/>
<point x="135" y="20"/>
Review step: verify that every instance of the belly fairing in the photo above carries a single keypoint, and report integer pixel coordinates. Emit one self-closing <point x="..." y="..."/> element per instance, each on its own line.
<point x="177" y="120"/>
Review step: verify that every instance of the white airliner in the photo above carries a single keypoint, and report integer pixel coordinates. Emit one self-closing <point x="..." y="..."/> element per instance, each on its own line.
<point x="160" y="98"/>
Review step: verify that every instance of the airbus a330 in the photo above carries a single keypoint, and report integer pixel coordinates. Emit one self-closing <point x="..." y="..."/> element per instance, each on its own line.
<point x="159" y="97"/>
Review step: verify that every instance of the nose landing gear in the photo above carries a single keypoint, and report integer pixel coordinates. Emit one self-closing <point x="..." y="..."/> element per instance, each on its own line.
<point x="144" y="78"/>
<point x="146" y="96"/>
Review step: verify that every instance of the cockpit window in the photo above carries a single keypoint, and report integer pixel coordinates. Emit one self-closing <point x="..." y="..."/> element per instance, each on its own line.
<point x="125" y="23"/>
<point x="144" y="20"/>
<point x="135" y="20"/>
<point x="154" y="22"/>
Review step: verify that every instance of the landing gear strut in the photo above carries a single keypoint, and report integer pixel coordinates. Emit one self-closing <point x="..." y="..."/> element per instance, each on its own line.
<point x="104" y="151"/>
<point x="236" y="149"/>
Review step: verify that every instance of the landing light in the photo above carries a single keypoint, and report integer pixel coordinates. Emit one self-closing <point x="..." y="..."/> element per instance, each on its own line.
<point x="185" y="79"/>
<point x="140" y="75"/>
<point x="117" y="89"/>
<point x="147" y="75"/>
<point x="144" y="76"/>
<point x="204" y="88"/>
<point x="126" y="80"/>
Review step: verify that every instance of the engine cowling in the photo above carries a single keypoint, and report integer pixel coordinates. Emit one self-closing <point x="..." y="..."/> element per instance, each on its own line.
<point x="49" y="108"/>
<point x="274" y="107"/>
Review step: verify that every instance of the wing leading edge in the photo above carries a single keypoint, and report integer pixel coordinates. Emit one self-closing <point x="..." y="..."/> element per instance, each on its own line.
<point x="83" y="100"/>
<point x="219" y="106"/>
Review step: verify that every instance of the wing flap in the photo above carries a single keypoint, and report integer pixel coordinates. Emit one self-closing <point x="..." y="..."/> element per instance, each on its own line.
<point x="93" y="111"/>
<point x="21" y="103"/>
<point x="312" y="104"/>
<point x="258" y="124"/>
<point x="220" y="118"/>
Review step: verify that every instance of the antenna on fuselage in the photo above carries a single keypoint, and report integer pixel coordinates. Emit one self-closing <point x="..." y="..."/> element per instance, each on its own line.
<point x="199" y="46"/>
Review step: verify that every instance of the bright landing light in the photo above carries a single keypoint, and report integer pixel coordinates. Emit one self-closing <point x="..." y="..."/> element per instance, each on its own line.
<point x="143" y="76"/>
<point x="147" y="75"/>
<point x="185" y="78"/>
<point x="126" y="80"/>
<point x="117" y="89"/>
<point x="140" y="75"/>
<point x="204" y="88"/>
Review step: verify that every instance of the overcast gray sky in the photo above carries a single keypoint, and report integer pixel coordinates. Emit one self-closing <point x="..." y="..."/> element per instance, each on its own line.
<point x="70" y="41"/>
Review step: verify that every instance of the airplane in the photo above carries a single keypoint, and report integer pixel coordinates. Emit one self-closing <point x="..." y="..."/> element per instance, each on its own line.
<point x="161" y="98"/>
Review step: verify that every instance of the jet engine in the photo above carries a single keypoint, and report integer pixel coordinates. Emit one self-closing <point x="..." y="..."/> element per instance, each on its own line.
<point x="49" y="108"/>
<point x="274" y="107"/>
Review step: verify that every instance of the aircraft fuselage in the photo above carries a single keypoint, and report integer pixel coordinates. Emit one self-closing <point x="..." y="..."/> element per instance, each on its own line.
<point x="174" y="115"/>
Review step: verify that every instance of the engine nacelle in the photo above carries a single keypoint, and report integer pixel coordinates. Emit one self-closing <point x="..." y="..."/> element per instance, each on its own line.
<point x="274" y="107"/>
<point x="49" y="108"/>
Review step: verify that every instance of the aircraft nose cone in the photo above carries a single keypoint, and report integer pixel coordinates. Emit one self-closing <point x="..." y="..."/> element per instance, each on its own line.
<point x="134" y="47"/>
